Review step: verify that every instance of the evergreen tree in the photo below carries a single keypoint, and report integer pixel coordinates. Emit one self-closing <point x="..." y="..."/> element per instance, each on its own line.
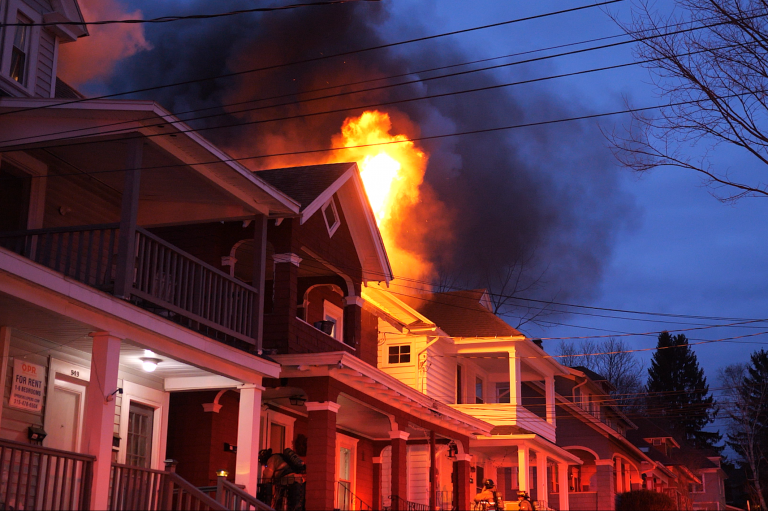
<point x="678" y="392"/>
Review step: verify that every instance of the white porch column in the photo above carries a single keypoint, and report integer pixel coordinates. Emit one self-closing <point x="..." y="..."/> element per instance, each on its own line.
<point x="99" y="417"/>
<point x="549" y="388"/>
<point x="515" y="378"/>
<point x="523" y="471"/>
<point x="5" y="346"/>
<point x="562" y="472"/>
<point x="248" y="424"/>
<point x="542" y="488"/>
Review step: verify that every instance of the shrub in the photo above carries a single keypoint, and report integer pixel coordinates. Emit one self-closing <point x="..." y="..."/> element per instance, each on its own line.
<point x="644" y="500"/>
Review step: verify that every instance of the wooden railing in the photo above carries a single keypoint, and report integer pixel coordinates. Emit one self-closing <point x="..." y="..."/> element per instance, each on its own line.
<point x="84" y="253"/>
<point x="444" y="500"/>
<point x="233" y="497"/>
<point x="183" y="284"/>
<point x="40" y="478"/>
<point x="165" y="279"/>
<point x="143" y="489"/>
<point x="348" y="501"/>
<point x="400" y="504"/>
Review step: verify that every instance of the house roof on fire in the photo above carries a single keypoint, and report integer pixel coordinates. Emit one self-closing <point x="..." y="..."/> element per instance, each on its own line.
<point x="461" y="314"/>
<point x="305" y="184"/>
<point x="312" y="186"/>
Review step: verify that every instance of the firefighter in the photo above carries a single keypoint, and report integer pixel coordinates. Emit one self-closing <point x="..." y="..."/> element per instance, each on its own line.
<point x="489" y="498"/>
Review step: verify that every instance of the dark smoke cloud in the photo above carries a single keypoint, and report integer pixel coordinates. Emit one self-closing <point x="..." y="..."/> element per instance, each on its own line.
<point x="552" y="190"/>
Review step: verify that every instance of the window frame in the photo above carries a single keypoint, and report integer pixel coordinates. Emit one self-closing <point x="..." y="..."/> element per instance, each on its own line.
<point x="399" y="354"/>
<point x="460" y="384"/>
<point x="479" y="400"/>
<point x="332" y="205"/>
<point x="271" y="417"/>
<point x="16" y="9"/>
<point x="336" y="314"/>
<point x="500" y="386"/>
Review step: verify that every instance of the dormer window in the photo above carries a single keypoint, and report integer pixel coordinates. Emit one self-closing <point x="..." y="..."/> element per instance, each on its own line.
<point x="331" y="217"/>
<point x="20" y="50"/>
<point x="657" y="441"/>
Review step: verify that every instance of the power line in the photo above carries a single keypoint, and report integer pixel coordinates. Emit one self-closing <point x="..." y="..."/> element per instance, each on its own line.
<point x="181" y="17"/>
<point x="334" y="55"/>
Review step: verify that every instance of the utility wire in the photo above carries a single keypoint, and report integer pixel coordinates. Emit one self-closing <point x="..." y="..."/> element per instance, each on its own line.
<point x="334" y="55"/>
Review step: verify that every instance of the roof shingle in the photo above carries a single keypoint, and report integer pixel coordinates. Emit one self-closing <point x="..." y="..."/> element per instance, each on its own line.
<point x="304" y="184"/>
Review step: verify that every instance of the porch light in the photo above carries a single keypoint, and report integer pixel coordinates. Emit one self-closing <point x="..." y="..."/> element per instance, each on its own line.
<point x="149" y="364"/>
<point x="453" y="450"/>
<point x="222" y="473"/>
<point x="297" y="400"/>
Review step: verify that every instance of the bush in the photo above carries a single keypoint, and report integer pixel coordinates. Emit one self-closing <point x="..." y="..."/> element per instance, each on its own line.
<point x="644" y="500"/>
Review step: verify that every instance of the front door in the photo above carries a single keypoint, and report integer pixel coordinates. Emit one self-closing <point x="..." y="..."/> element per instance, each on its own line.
<point x="139" y="447"/>
<point x="345" y="479"/>
<point x="63" y="414"/>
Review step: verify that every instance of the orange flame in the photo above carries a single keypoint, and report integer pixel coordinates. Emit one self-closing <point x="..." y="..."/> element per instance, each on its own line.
<point x="392" y="175"/>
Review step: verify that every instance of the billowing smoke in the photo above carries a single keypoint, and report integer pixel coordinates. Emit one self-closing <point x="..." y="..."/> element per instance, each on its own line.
<point x="95" y="57"/>
<point x="549" y="196"/>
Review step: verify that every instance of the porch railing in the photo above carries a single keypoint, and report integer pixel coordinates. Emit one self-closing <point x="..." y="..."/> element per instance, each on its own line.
<point x="233" y="497"/>
<point x="166" y="280"/>
<point x="183" y="284"/>
<point x="36" y="477"/>
<point x="143" y="489"/>
<point x="400" y="504"/>
<point x="444" y="500"/>
<point x="348" y="501"/>
<point x="84" y="253"/>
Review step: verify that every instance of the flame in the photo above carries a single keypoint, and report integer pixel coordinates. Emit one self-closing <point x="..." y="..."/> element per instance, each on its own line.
<point x="392" y="175"/>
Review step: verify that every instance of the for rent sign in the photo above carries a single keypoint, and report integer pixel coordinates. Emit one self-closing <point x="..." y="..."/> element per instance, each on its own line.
<point x="28" y="388"/>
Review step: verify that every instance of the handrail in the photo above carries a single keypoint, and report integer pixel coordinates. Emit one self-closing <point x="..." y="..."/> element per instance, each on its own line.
<point x="347" y="501"/>
<point x="234" y="498"/>
<point x="400" y="504"/>
<point x="194" y="259"/>
<point x="47" y="450"/>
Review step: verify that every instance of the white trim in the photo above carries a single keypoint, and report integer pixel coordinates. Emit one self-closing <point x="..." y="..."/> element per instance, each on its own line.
<point x="16" y="7"/>
<point x="354" y="300"/>
<point x="177" y="383"/>
<point x="319" y="406"/>
<point x="336" y="314"/>
<point x="273" y="417"/>
<point x="158" y="400"/>
<point x="72" y="377"/>
<point x="287" y="258"/>
<point x="401" y="435"/>
<point x="347" y="442"/>
<point x="463" y="457"/>
<point x="331" y="228"/>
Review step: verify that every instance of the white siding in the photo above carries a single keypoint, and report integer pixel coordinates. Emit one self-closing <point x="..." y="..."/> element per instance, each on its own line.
<point x="406" y="373"/>
<point x="418" y="474"/>
<point x="441" y="375"/>
<point x="45" y="64"/>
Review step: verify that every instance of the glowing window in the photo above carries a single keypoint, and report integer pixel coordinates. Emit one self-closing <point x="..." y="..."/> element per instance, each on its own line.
<point x="20" y="50"/>
<point x="400" y="354"/>
<point x="331" y="217"/>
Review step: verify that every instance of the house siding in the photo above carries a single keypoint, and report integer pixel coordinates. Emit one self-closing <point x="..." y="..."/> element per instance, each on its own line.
<point x="418" y="474"/>
<point x="45" y="64"/>
<point x="441" y="376"/>
<point x="41" y="6"/>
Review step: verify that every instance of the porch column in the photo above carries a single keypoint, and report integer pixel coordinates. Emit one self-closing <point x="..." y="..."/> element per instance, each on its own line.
<point x="604" y="485"/>
<point x="523" y="457"/>
<point x="461" y="490"/>
<point x="376" y="493"/>
<point x="259" y="276"/>
<point x="285" y="296"/>
<point x="321" y="455"/>
<point x="5" y="346"/>
<point x="126" y="243"/>
<point x="432" y="472"/>
<point x="99" y="417"/>
<point x="549" y="393"/>
<point x="562" y="472"/>
<point x="542" y="488"/>
<point x="248" y="425"/>
<point x="515" y="375"/>
<point x="353" y="320"/>
<point x="399" y="485"/>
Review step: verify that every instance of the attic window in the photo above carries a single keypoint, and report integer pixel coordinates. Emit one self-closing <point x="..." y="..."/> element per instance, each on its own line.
<point x="657" y="441"/>
<point x="331" y="217"/>
<point x="20" y="50"/>
<point x="400" y="354"/>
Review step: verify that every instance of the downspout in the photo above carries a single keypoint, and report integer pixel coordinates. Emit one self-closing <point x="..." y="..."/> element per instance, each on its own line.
<point x="421" y="364"/>
<point x="573" y="391"/>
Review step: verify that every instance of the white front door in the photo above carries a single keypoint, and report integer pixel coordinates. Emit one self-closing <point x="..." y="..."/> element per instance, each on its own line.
<point x="63" y="413"/>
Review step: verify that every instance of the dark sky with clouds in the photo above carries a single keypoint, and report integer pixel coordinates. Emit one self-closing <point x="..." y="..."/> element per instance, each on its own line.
<point x="608" y="238"/>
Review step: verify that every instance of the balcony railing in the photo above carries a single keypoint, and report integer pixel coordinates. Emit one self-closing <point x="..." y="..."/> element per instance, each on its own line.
<point x="444" y="500"/>
<point x="166" y="280"/>
<point x="40" y="478"/>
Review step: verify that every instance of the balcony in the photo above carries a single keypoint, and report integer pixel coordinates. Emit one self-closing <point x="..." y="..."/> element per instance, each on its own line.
<point x="502" y="414"/>
<point x="165" y="280"/>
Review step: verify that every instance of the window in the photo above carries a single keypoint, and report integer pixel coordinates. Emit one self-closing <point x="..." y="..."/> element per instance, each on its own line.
<point x="276" y="437"/>
<point x="479" y="391"/>
<point x="696" y="487"/>
<point x="553" y="477"/>
<point x="331" y="217"/>
<point x="20" y="51"/>
<point x="139" y="445"/>
<point x="400" y="354"/>
<point x="502" y="392"/>
<point x="574" y="479"/>
<point x="335" y="315"/>
<point x="657" y="441"/>
<point x="459" y="384"/>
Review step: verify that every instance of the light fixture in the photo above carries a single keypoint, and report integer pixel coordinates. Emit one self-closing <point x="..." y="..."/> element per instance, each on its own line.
<point x="149" y="364"/>
<point x="222" y="473"/>
<point x="453" y="450"/>
<point x="297" y="400"/>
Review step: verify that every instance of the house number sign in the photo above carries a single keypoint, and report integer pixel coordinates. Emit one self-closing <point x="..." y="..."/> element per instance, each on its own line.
<point x="28" y="386"/>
